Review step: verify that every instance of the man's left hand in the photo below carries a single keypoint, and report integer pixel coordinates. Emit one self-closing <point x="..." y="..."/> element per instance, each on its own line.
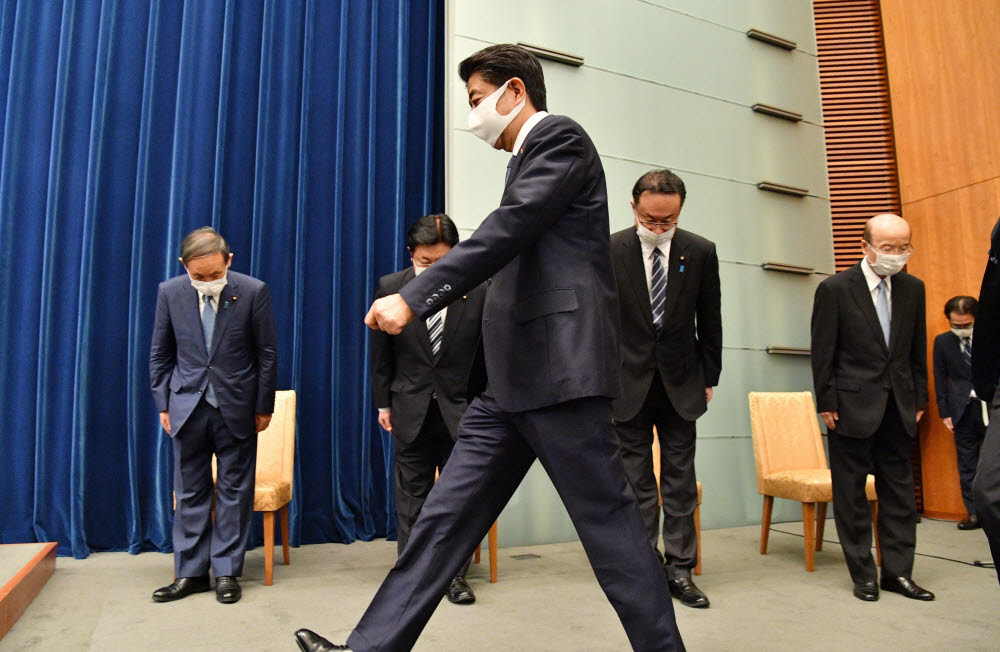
<point x="708" y="395"/>
<point x="920" y="413"/>
<point x="262" y="421"/>
<point x="389" y="314"/>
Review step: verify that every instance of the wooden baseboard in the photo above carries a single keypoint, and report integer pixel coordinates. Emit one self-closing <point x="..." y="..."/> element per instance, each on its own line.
<point x="944" y="516"/>
<point x="17" y="594"/>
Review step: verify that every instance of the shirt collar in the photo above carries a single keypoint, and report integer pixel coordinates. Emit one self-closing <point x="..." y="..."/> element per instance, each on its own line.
<point x="872" y="278"/>
<point x="528" y="125"/>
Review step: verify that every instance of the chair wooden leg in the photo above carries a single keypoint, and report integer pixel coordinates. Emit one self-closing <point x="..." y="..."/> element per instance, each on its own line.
<point x="873" y="507"/>
<point x="493" y="553"/>
<point x="820" y="524"/>
<point x="765" y="523"/>
<point x="475" y="555"/>
<point x="268" y="548"/>
<point x="697" y="536"/>
<point x="284" y="534"/>
<point x="809" y="528"/>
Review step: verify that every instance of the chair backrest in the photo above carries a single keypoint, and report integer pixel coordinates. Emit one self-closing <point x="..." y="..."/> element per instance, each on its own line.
<point x="785" y="433"/>
<point x="276" y="443"/>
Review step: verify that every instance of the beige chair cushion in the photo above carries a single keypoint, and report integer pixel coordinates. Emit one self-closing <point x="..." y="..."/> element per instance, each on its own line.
<point x="805" y="485"/>
<point x="270" y="496"/>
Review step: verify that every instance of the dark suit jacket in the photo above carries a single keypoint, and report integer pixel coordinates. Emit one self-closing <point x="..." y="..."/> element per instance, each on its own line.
<point x="550" y="321"/>
<point x="952" y="376"/>
<point x="405" y="373"/>
<point x="243" y="365"/>
<point x="688" y="352"/>
<point x="853" y="370"/>
<point x="986" y="336"/>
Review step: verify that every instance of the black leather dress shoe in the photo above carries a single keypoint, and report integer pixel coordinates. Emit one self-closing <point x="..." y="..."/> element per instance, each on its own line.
<point x="227" y="589"/>
<point x="310" y="641"/>
<point x="867" y="591"/>
<point x="971" y="523"/>
<point x="684" y="589"/>
<point x="906" y="586"/>
<point x="182" y="588"/>
<point x="460" y="592"/>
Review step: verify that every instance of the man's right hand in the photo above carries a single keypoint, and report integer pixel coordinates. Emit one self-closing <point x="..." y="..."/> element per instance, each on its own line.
<point x="830" y="419"/>
<point x="165" y="420"/>
<point x="384" y="421"/>
<point x="948" y="424"/>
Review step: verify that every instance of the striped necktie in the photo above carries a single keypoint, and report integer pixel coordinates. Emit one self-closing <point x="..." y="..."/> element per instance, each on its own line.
<point x="435" y="327"/>
<point x="967" y="350"/>
<point x="658" y="288"/>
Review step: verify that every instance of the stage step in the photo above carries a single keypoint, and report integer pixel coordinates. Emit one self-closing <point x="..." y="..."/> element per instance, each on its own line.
<point x="24" y="570"/>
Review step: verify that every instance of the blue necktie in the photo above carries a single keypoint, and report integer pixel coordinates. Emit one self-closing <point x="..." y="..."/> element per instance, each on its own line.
<point x="882" y="309"/>
<point x="658" y="289"/>
<point x="435" y="328"/>
<point x="967" y="350"/>
<point x="506" y="178"/>
<point x="208" y="326"/>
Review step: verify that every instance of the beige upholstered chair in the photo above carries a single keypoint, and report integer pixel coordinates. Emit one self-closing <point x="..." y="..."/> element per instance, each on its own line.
<point x="791" y="464"/>
<point x="275" y="471"/>
<point x="697" y="509"/>
<point x="493" y="553"/>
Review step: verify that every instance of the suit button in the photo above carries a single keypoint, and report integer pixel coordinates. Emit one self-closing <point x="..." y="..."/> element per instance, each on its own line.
<point x="199" y="391"/>
<point x="885" y="388"/>
<point x="209" y="366"/>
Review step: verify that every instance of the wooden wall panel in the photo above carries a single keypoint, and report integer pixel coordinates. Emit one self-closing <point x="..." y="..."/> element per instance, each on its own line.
<point x="944" y="71"/>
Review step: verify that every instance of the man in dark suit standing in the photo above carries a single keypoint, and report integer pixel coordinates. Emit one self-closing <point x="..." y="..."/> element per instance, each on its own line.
<point x="960" y="409"/>
<point x="985" y="377"/>
<point x="213" y="367"/>
<point x="550" y="336"/>
<point x="869" y="362"/>
<point x="419" y="381"/>
<point x="671" y="342"/>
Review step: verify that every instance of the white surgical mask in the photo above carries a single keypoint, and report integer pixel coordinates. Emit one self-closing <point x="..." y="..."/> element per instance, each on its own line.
<point x="213" y="288"/>
<point x="654" y="239"/>
<point x="419" y="269"/>
<point x="486" y="123"/>
<point x="889" y="264"/>
<point x="963" y="332"/>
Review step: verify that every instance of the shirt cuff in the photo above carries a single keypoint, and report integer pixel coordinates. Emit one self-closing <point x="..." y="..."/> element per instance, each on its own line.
<point x="384" y="409"/>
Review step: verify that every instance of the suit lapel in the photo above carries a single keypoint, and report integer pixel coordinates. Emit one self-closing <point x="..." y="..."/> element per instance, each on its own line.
<point x="636" y="271"/>
<point x="193" y="300"/>
<point x="451" y="323"/>
<point x="675" y="277"/>
<point x="230" y="294"/>
<point x="863" y="298"/>
<point x="898" y="297"/>
<point x="419" y="325"/>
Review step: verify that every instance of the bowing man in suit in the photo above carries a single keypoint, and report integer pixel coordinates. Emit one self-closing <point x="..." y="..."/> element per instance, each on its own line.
<point x="550" y="345"/>
<point x="869" y="363"/>
<point x="419" y="381"/>
<point x="671" y="342"/>
<point x="960" y="409"/>
<point x="985" y="377"/>
<point x="213" y="367"/>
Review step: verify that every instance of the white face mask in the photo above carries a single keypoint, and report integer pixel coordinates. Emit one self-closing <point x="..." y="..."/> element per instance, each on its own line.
<point x="888" y="264"/>
<point x="486" y="123"/>
<point x="213" y="288"/>
<point x="963" y="332"/>
<point x="419" y="269"/>
<point x="655" y="239"/>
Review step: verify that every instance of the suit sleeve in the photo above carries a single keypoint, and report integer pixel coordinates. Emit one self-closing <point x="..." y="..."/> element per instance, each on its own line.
<point x="986" y="336"/>
<point x="266" y="342"/>
<point x="382" y="363"/>
<point x="540" y="194"/>
<point x="918" y="353"/>
<point x="162" y="353"/>
<point x="941" y="377"/>
<point x="824" y="328"/>
<point x="710" y="320"/>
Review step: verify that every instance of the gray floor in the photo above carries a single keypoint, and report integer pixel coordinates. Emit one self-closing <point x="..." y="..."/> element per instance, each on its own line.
<point x="548" y="602"/>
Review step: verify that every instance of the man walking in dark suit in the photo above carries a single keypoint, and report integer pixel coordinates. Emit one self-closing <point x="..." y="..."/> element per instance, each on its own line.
<point x="213" y="367"/>
<point x="671" y="342"/>
<point x="869" y="362"/>
<point x="985" y="377"/>
<point x="420" y="378"/>
<point x="550" y="336"/>
<point x="960" y="409"/>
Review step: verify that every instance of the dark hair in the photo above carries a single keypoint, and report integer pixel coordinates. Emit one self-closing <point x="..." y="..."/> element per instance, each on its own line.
<point x="962" y="304"/>
<point x="663" y="181"/>
<point x="500" y="63"/>
<point x="203" y="242"/>
<point x="430" y="230"/>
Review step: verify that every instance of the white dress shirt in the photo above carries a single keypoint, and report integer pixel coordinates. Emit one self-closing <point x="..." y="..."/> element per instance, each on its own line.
<point x="528" y="125"/>
<point x="873" y="280"/>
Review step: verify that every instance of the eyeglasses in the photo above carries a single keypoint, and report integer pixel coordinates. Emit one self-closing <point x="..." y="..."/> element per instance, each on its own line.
<point x="889" y="249"/>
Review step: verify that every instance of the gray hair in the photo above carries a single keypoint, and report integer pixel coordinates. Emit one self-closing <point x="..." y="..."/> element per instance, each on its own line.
<point x="203" y="242"/>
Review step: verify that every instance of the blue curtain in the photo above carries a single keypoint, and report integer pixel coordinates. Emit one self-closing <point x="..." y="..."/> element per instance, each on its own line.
<point x="308" y="132"/>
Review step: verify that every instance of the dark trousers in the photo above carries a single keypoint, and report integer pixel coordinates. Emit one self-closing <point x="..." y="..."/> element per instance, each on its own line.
<point x="416" y="463"/>
<point x="986" y="486"/>
<point x="200" y="544"/>
<point x="969" y="433"/>
<point x="576" y="446"/>
<point x="678" y="484"/>
<point x="886" y="455"/>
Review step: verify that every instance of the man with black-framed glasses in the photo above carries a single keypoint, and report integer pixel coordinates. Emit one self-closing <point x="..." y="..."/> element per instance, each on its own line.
<point x="671" y="351"/>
